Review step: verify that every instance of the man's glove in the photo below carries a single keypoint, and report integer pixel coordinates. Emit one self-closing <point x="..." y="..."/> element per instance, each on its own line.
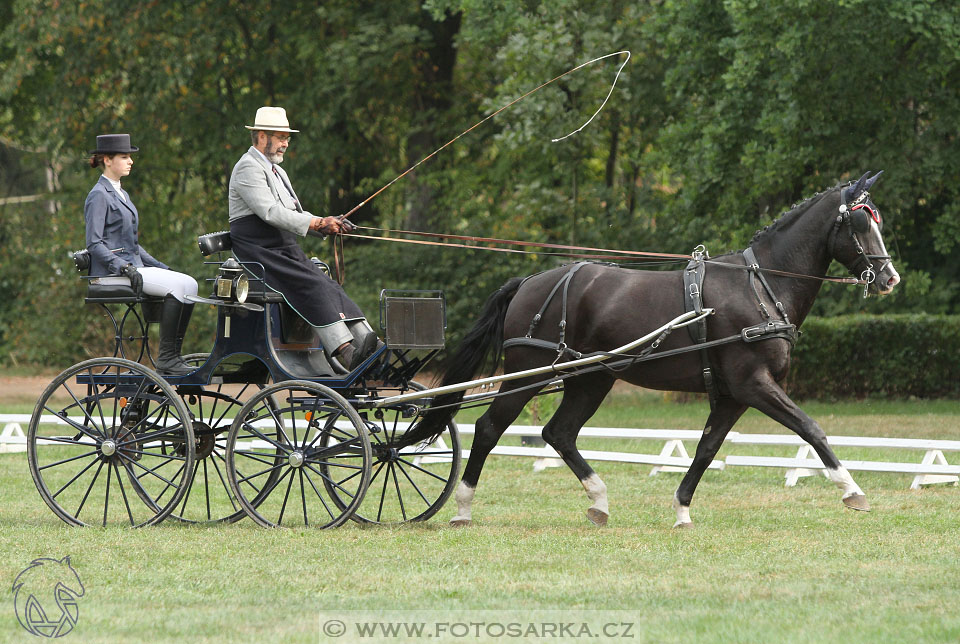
<point x="136" y="279"/>
<point x="346" y="226"/>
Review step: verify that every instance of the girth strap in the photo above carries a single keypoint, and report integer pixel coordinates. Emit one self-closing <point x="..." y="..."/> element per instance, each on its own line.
<point x="693" y="301"/>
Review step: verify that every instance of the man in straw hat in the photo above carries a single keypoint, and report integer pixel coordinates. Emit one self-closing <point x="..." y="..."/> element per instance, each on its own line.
<point x="265" y="219"/>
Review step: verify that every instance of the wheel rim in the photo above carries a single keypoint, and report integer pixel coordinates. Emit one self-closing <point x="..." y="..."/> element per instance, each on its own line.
<point x="289" y="443"/>
<point x="102" y="462"/>
<point x="407" y="483"/>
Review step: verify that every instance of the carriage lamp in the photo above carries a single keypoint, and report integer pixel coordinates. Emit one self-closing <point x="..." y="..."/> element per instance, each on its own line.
<point x="232" y="282"/>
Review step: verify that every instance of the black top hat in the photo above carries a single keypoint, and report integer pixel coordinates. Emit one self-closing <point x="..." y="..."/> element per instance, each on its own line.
<point x="114" y="144"/>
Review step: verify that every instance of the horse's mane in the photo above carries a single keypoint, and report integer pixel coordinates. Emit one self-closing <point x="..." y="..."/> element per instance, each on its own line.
<point x="796" y="210"/>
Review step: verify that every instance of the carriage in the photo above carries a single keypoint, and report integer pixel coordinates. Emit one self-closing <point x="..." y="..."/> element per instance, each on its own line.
<point x="266" y="427"/>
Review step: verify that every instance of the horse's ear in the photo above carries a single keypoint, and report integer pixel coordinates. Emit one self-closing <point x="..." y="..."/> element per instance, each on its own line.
<point x="854" y="191"/>
<point x="872" y="180"/>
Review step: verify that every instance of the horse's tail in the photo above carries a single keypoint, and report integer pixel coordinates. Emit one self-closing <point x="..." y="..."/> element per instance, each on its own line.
<point x="484" y="339"/>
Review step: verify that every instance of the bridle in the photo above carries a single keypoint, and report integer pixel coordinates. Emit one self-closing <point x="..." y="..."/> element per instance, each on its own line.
<point x="855" y="219"/>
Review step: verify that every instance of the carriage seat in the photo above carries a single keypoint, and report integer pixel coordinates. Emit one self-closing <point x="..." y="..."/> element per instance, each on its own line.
<point x="108" y="293"/>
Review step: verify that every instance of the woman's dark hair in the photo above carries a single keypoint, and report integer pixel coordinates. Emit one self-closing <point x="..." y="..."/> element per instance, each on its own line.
<point x="97" y="159"/>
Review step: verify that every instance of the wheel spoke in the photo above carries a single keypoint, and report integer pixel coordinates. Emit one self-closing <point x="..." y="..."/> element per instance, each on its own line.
<point x="89" y="487"/>
<point x="260" y="473"/>
<point x="106" y="497"/>
<point x="428" y="472"/>
<point x="123" y="492"/>
<point x="303" y="498"/>
<point x="396" y="485"/>
<point x="223" y="481"/>
<point x="329" y="480"/>
<point x="415" y="486"/>
<point x="319" y="495"/>
<point x="78" y="475"/>
<point x="67" y="460"/>
<point x="286" y="497"/>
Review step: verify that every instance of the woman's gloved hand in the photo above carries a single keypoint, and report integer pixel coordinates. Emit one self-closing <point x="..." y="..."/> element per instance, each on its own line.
<point x="136" y="279"/>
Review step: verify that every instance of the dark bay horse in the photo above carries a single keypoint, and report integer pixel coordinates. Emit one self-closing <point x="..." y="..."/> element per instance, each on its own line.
<point x="608" y="306"/>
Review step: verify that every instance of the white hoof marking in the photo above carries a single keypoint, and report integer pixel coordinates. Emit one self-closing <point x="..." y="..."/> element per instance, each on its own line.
<point x="683" y="514"/>
<point x="464" y="497"/>
<point x="597" y="492"/>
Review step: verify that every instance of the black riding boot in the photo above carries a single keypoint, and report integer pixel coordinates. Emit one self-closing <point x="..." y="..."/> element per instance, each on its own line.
<point x="173" y="324"/>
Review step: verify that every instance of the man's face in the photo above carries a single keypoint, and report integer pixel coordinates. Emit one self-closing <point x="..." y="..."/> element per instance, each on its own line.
<point x="275" y="146"/>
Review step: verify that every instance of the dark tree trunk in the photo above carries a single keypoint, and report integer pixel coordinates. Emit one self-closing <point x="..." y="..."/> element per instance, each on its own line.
<point x="432" y="97"/>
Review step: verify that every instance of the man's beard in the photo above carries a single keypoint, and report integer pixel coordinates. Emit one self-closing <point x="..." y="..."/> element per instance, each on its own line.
<point x="273" y="155"/>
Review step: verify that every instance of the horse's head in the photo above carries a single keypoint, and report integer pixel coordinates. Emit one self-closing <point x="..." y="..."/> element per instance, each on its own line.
<point x="857" y="241"/>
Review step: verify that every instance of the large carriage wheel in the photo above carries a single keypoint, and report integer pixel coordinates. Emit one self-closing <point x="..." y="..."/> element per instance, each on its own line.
<point x="212" y="408"/>
<point x="409" y="482"/>
<point x="287" y="444"/>
<point x="96" y="444"/>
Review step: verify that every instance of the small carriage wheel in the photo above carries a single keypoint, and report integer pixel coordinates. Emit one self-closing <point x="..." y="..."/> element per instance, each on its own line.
<point x="408" y="482"/>
<point x="286" y="443"/>
<point x="209" y="498"/>
<point x="94" y="444"/>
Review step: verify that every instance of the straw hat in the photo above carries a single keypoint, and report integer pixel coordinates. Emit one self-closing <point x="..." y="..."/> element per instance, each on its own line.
<point x="273" y="119"/>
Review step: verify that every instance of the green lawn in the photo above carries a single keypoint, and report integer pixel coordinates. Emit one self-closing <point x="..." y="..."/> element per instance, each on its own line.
<point x="764" y="564"/>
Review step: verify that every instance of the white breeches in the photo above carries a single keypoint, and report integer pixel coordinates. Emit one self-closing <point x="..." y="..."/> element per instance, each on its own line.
<point x="160" y="282"/>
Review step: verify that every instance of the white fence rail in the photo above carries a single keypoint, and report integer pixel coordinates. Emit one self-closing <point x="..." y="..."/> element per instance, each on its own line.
<point x="673" y="456"/>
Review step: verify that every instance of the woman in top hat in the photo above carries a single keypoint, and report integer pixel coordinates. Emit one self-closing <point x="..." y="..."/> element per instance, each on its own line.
<point x="117" y="257"/>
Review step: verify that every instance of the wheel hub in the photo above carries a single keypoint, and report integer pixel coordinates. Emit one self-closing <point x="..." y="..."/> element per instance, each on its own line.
<point x="206" y="439"/>
<point x="108" y="447"/>
<point x="296" y="459"/>
<point x="386" y="454"/>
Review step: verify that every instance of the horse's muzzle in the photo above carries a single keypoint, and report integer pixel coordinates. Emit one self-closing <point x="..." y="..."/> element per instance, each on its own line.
<point x="886" y="280"/>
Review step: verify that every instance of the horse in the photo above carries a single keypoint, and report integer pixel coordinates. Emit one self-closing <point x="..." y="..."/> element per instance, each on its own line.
<point x="605" y="306"/>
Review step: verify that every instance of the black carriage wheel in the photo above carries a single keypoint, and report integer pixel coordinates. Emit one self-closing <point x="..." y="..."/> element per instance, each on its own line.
<point x="209" y="498"/>
<point x="408" y="483"/>
<point x="286" y="444"/>
<point x="94" y="444"/>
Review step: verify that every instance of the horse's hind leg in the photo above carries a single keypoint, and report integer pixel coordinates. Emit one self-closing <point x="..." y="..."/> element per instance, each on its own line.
<point x="488" y="430"/>
<point x="724" y="415"/>
<point x="770" y="399"/>
<point x="581" y="398"/>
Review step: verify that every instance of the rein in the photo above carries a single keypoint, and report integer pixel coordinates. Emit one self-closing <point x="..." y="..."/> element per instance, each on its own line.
<point x="618" y="255"/>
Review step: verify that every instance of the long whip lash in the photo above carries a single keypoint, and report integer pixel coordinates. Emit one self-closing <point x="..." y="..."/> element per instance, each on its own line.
<point x="487" y="118"/>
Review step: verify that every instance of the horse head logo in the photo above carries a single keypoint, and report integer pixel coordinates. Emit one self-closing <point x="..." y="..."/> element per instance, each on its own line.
<point x="45" y="596"/>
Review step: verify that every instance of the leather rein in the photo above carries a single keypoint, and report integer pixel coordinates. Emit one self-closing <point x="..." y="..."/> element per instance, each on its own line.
<point x="579" y="252"/>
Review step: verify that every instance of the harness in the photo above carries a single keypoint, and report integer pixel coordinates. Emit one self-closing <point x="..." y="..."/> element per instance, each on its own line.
<point x="693" y="301"/>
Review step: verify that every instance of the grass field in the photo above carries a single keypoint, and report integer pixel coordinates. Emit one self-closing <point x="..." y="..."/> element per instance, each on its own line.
<point x="764" y="564"/>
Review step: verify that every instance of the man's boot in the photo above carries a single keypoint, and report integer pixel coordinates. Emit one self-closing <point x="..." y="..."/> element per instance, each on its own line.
<point x="169" y="361"/>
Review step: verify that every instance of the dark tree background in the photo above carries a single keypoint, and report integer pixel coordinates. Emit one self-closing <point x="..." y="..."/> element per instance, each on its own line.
<point x="727" y="114"/>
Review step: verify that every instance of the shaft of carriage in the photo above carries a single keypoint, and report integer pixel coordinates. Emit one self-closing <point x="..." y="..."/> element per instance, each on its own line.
<point x="680" y="321"/>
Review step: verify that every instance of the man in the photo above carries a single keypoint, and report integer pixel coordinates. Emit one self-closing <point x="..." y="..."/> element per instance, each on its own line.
<point x="265" y="219"/>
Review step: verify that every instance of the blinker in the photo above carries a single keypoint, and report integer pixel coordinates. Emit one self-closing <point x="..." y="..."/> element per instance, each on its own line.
<point x="858" y="217"/>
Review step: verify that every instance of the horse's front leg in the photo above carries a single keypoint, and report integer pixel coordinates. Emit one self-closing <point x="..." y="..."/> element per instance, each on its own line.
<point x="725" y="414"/>
<point x="769" y="398"/>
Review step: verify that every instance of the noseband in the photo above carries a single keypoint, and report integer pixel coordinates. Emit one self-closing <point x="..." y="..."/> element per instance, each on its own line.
<point x="856" y="219"/>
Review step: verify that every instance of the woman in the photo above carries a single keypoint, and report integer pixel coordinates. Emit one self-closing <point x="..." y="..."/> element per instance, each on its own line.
<point x="116" y="255"/>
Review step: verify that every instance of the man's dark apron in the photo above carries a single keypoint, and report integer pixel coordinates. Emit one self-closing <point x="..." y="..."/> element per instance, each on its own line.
<point x="287" y="270"/>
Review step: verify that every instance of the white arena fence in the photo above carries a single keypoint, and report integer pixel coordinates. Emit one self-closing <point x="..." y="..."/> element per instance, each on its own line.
<point x="932" y="468"/>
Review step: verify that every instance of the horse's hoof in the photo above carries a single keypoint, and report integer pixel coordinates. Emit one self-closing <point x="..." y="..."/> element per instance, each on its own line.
<point x="683" y="525"/>
<point x="597" y="517"/>
<point x="857" y="502"/>
<point x="459" y="523"/>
